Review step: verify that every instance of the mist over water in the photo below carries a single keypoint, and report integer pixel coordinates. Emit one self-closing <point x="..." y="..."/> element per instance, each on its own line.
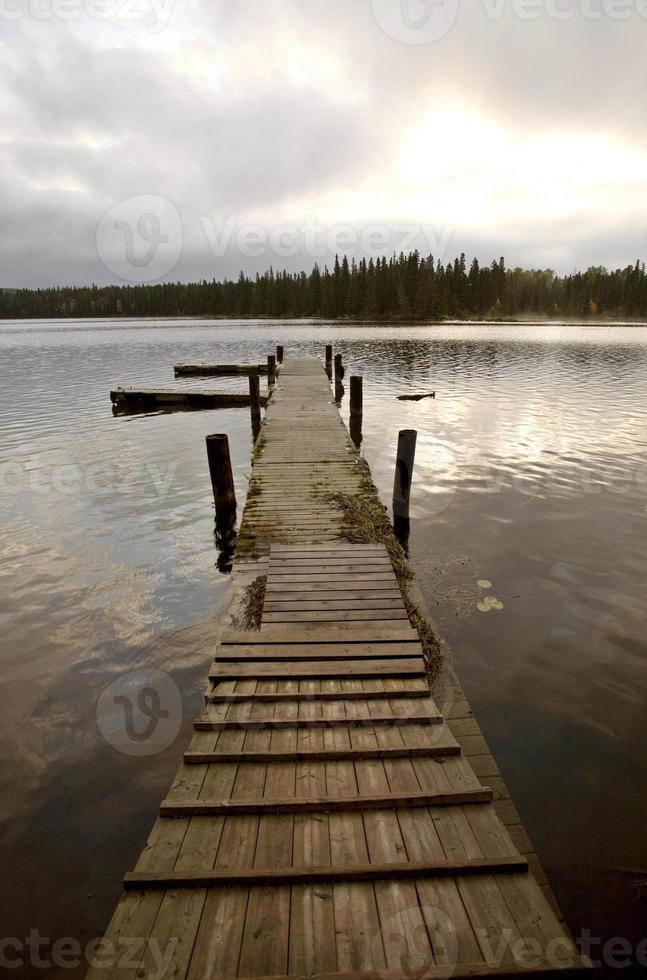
<point x="529" y="515"/>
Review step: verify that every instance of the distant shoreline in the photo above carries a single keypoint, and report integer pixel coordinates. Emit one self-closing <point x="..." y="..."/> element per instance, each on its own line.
<point x="527" y="321"/>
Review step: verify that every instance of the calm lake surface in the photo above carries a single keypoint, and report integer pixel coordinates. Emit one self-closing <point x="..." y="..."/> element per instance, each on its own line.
<point x="531" y="475"/>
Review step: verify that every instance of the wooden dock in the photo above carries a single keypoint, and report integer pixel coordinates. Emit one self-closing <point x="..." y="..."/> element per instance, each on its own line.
<point x="326" y="821"/>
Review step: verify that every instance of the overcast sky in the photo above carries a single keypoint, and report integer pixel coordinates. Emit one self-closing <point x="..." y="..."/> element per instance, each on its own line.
<point x="180" y="139"/>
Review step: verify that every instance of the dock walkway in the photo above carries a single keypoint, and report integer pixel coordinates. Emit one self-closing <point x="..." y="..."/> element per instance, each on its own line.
<point x="325" y="821"/>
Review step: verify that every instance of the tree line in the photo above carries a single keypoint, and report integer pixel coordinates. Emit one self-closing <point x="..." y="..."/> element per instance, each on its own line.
<point x="404" y="287"/>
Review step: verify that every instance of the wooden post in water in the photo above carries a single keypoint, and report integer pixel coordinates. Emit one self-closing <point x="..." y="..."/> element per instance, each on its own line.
<point x="404" y="472"/>
<point x="279" y="354"/>
<point x="224" y="495"/>
<point x="356" y="409"/>
<point x="222" y="477"/>
<point x="255" y="403"/>
<point x="356" y="396"/>
<point x="271" y="369"/>
<point x="329" y="360"/>
<point x="339" y="374"/>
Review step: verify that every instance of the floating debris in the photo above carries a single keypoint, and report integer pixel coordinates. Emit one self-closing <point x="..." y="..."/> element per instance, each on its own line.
<point x="416" y="398"/>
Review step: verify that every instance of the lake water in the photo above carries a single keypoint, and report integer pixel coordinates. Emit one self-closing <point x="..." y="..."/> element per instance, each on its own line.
<point x="531" y="475"/>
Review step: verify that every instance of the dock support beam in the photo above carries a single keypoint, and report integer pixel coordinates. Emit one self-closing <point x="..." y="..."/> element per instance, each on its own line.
<point x="329" y="360"/>
<point x="279" y="354"/>
<point x="255" y="402"/>
<point x="224" y="495"/>
<point x="271" y="369"/>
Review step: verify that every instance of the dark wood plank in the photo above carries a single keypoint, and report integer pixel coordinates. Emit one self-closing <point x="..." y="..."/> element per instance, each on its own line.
<point x="149" y="880"/>
<point x="323" y="755"/>
<point x="280" y="724"/>
<point x="180" y="396"/>
<point x="328" y="633"/>
<point x="339" y="605"/>
<point x="265" y="698"/>
<point x="320" y="651"/>
<point x="315" y="668"/>
<point x="378" y="615"/>
<point x="576" y="967"/>
<point x="280" y="565"/>
<point x="326" y="804"/>
<point x="378" y="567"/>
<point x="335" y="585"/>
<point x="317" y="549"/>
<point x="332" y="596"/>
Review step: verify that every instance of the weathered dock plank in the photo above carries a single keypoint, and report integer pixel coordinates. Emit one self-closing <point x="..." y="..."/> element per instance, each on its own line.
<point x="329" y="818"/>
<point x="122" y="397"/>
<point x="218" y="370"/>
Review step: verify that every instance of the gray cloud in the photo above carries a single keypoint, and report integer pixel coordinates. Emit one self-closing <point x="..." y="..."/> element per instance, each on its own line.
<point x="278" y="113"/>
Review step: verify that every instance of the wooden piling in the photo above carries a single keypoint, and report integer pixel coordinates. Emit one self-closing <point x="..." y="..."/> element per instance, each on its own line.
<point x="255" y="402"/>
<point x="222" y="477"/>
<point x="271" y="369"/>
<point x="404" y="472"/>
<point x="339" y="368"/>
<point x="356" y="396"/>
<point x="279" y="354"/>
<point x="329" y="360"/>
